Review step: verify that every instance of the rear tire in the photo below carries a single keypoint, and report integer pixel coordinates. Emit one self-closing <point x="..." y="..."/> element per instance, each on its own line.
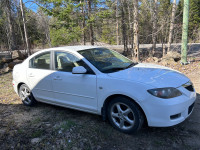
<point x="26" y="95"/>
<point x="125" y="115"/>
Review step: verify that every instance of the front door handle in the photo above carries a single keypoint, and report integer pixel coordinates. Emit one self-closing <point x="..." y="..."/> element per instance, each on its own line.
<point x="57" y="78"/>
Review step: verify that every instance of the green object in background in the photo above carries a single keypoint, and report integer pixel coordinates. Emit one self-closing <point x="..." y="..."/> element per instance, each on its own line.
<point x="185" y="32"/>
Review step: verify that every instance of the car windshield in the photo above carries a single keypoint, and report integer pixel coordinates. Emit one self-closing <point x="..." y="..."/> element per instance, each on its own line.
<point x="105" y="60"/>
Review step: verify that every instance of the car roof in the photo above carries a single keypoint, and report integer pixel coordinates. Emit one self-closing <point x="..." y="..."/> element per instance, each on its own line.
<point x="74" y="48"/>
<point x="66" y="48"/>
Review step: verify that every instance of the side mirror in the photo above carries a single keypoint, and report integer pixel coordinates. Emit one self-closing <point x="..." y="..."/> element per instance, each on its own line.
<point x="79" y="70"/>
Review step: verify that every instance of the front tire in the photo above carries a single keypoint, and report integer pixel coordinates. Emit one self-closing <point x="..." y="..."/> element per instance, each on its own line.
<point x="125" y="115"/>
<point x="26" y="95"/>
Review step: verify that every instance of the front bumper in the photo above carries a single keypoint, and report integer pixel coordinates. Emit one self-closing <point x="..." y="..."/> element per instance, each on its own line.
<point x="15" y="86"/>
<point x="169" y="112"/>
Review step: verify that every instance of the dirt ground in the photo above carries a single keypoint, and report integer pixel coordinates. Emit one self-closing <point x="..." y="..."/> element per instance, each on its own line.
<point x="50" y="127"/>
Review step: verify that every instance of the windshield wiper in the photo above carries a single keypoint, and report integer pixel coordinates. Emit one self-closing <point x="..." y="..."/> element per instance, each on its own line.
<point x="118" y="68"/>
<point x="131" y="65"/>
<point x="113" y="70"/>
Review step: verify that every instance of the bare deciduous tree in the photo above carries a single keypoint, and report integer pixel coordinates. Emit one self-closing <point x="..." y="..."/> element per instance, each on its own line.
<point x="83" y="22"/>
<point x="171" y="25"/>
<point x="136" y="40"/>
<point x="9" y="25"/>
<point x="117" y="22"/>
<point x="130" y="20"/>
<point x="25" y="30"/>
<point x="154" y="27"/>
<point x="91" y="24"/>
<point x="124" y="28"/>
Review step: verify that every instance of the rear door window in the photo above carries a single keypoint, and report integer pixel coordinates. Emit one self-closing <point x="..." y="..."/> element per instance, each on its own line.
<point x="41" y="61"/>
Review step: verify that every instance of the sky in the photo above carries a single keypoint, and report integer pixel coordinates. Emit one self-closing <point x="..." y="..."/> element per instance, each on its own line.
<point x="31" y="5"/>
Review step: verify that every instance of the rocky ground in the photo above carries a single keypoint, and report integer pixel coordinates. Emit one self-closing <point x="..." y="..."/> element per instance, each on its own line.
<point x="50" y="127"/>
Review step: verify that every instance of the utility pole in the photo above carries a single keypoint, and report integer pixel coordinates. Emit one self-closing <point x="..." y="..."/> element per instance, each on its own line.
<point x="185" y="32"/>
<point x="25" y="29"/>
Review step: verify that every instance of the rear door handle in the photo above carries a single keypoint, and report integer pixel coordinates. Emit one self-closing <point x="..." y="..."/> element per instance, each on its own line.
<point x="31" y="75"/>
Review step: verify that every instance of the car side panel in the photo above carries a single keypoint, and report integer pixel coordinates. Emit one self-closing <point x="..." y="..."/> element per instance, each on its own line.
<point x="40" y="83"/>
<point x="107" y="86"/>
<point x="76" y="90"/>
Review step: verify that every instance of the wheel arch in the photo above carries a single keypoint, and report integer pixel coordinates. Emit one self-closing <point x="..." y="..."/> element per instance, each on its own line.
<point x="18" y="86"/>
<point x="109" y="99"/>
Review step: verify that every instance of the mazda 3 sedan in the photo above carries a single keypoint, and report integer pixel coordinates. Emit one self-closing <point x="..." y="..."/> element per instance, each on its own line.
<point x="101" y="81"/>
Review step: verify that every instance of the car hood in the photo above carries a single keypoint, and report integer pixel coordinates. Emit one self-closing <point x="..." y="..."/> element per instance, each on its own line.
<point x="154" y="75"/>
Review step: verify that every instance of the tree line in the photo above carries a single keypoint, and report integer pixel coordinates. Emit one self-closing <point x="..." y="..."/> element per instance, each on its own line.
<point x="115" y="22"/>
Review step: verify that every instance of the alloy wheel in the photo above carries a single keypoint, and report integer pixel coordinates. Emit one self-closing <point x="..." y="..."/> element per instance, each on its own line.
<point x="25" y="95"/>
<point x="122" y="116"/>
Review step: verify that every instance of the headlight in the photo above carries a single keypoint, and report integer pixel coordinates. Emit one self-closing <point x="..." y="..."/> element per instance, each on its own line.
<point x="165" y="92"/>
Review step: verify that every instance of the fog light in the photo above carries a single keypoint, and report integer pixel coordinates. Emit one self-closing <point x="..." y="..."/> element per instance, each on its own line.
<point x="175" y="116"/>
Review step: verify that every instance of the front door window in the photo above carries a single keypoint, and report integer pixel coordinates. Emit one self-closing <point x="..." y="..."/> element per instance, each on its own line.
<point x="66" y="62"/>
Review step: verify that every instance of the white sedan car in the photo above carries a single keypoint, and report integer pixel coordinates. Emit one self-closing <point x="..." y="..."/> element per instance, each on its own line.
<point x="102" y="81"/>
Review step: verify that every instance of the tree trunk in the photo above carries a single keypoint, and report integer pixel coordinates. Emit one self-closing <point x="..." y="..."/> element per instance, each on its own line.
<point x="135" y="28"/>
<point x="171" y="25"/>
<point x="19" y="24"/>
<point x="154" y="17"/>
<point x="166" y="32"/>
<point x="164" y="49"/>
<point x="124" y="27"/>
<point x="83" y="23"/>
<point x="130" y="26"/>
<point x="25" y="30"/>
<point x="117" y="22"/>
<point x="90" y="24"/>
<point x="47" y="31"/>
<point x="9" y="25"/>
<point x="163" y="39"/>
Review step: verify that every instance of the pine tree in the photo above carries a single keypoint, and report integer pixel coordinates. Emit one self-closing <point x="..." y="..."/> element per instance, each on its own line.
<point x="65" y="26"/>
<point x="194" y="19"/>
